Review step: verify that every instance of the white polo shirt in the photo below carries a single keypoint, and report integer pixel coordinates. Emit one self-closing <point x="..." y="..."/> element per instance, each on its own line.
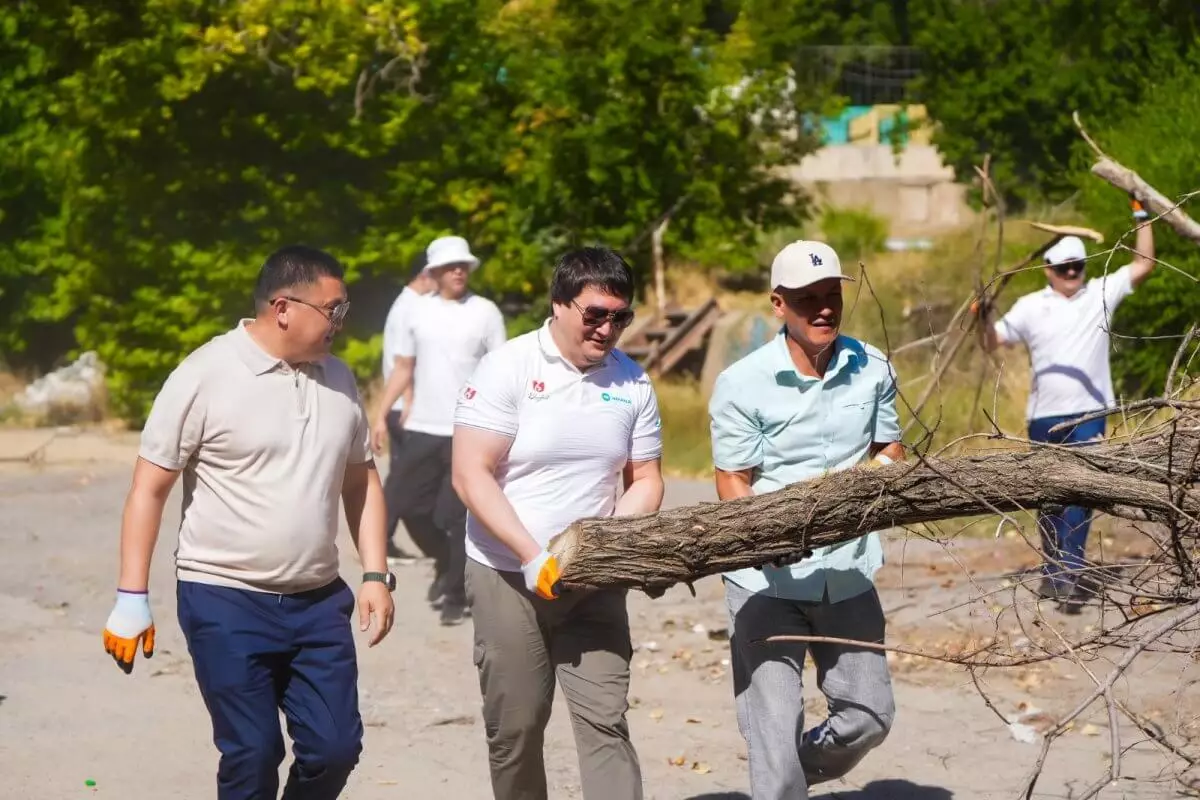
<point x="263" y="449"/>
<point x="572" y="435"/>
<point x="398" y="314"/>
<point x="447" y="338"/>
<point x="1068" y="341"/>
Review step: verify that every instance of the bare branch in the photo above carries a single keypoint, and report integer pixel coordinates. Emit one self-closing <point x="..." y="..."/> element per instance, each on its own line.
<point x="1130" y="182"/>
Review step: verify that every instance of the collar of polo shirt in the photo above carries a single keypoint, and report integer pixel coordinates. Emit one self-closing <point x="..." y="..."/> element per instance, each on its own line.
<point x="1050" y="291"/>
<point x="550" y="350"/>
<point x="253" y="356"/>
<point x="843" y="358"/>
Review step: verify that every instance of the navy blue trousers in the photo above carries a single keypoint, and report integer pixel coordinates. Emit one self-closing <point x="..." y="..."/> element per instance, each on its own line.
<point x="255" y="654"/>
<point x="1064" y="528"/>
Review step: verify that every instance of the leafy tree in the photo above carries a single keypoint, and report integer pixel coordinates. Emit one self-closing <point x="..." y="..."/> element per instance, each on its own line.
<point x="152" y="152"/>
<point x="1004" y="77"/>
<point x="1163" y="148"/>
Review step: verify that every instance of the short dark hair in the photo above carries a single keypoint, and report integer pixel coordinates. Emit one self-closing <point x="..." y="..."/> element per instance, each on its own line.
<point x="601" y="267"/>
<point x="294" y="265"/>
<point x="418" y="265"/>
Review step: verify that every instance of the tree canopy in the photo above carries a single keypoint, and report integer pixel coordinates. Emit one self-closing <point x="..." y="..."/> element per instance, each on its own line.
<point x="152" y="153"/>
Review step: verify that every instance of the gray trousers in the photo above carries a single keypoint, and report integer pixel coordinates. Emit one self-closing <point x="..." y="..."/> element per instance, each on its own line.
<point x="784" y="760"/>
<point x="522" y="643"/>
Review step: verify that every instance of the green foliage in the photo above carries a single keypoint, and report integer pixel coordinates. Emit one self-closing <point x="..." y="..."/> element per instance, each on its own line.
<point x="1163" y="148"/>
<point x="153" y="152"/>
<point x="855" y="233"/>
<point x="687" y="447"/>
<point x="1004" y="77"/>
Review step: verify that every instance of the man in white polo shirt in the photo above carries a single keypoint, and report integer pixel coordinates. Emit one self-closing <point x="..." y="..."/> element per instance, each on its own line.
<point x="809" y="401"/>
<point x="269" y="434"/>
<point x="420" y="284"/>
<point x="437" y="349"/>
<point x="548" y="430"/>
<point x="1066" y="328"/>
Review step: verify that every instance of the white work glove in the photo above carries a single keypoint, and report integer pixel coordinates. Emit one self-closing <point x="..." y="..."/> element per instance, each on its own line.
<point x="129" y="623"/>
<point x="542" y="575"/>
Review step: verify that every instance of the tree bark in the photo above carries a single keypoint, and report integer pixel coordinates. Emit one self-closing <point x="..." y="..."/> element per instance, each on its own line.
<point x="1151" y="477"/>
<point x="1132" y="183"/>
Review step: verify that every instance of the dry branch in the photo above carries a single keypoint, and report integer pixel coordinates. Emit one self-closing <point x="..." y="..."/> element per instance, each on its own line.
<point x="655" y="551"/>
<point x="958" y="332"/>
<point x="1067" y="230"/>
<point x="1130" y="182"/>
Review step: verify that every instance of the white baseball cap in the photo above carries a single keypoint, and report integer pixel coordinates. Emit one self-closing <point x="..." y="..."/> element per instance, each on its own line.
<point x="802" y="263"/>
<point x="450" y="250"/>
<point x="1069" y="248"/>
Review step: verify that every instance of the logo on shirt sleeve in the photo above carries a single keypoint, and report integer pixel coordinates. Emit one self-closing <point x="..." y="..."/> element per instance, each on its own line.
<point x="467" y="396"/>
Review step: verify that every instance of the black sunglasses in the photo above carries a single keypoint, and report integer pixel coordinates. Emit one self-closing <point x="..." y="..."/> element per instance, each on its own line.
<point x="1067" y="267"/>
<point x="595" y="316"/>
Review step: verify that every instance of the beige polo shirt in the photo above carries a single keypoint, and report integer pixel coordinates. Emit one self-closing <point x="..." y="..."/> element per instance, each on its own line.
<point x="263" y="449"/>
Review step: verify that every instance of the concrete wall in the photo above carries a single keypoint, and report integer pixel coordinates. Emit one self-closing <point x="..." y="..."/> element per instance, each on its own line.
<point x="912" y="189"/>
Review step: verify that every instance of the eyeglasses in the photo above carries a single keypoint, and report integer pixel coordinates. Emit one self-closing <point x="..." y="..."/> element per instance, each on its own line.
<point x="335" y="315"/>
<point x="1068" y="267"/>
<point x="595" y="316"/>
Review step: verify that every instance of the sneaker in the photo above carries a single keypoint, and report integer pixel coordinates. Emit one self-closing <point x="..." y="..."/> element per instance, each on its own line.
<point x="397" y="556"/>
<point x="453" y="614"/>
<point x="436" y="590"/>
<point x="1049" y="590"/>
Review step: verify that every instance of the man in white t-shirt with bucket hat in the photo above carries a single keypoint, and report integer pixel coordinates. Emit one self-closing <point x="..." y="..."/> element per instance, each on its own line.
<point x="547" y="431"/>
<point x="420" y="285"/>
<point x="1066" y="329"/>
<point x="437" y="349"/>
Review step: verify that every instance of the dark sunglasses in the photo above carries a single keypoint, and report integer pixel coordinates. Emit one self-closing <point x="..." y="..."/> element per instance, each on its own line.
<point x="335" y="315"/>
<point x="595" y="316"/>
<point x="1067" y="267"/>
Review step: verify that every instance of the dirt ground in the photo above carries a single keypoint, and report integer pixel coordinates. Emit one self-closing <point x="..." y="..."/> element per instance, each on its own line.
<point x="69" y="716"/>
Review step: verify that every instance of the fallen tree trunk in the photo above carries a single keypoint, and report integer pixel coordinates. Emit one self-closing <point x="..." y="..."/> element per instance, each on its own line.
<point x="1149" y="477"/>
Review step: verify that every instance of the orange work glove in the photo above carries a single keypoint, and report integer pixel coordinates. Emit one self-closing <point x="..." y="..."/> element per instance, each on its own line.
<point x="1139" y="213"/>
<point x="878" y="461"/>
<point x="128" y="624"/>
<point x="542" y="576"/>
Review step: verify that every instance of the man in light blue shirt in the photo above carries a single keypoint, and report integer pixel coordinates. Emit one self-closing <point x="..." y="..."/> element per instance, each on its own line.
<point x="808" y="402"/>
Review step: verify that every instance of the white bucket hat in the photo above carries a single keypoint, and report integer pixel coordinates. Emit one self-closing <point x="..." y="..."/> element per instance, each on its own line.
<point x="450" y="250"/>
<point x="803" y="263"/>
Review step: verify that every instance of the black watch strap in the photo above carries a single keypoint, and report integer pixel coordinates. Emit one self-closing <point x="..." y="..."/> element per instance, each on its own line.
<point x="388" y="579"/>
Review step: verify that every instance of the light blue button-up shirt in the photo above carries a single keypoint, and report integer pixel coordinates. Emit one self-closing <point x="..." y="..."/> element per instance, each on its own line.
<point x="789" y="427"/>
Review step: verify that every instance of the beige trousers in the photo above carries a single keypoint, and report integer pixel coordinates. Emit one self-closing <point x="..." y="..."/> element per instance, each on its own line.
<point x="522" y="643"/>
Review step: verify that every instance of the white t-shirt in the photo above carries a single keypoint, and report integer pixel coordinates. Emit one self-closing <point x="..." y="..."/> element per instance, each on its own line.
<point x="1068" y="341"/>
<point x="263" y="448"/>
<point x="397" y="315"/>
<point x="447" y="338"/>
<point x="572" y="435"/>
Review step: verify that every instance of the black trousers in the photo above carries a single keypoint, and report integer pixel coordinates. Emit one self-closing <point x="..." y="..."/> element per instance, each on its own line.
<point x="420" y="494"/>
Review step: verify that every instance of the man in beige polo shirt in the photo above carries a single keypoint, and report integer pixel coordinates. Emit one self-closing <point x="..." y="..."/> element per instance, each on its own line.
<point x="268" y="431"/>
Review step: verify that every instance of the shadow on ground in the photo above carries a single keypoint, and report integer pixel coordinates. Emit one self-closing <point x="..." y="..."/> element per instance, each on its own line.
<point x="876" y="790"/>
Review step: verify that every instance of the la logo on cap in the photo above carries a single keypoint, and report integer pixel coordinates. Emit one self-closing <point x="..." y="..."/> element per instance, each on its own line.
<point x="816" y="259"/>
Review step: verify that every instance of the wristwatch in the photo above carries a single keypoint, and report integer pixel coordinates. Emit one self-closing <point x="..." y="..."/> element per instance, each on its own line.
<point x="388" y="579"/>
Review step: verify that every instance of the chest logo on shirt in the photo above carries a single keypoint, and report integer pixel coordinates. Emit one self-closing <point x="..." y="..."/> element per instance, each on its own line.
<point x="615" y="398"/>
<point x="537" y="390"/>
